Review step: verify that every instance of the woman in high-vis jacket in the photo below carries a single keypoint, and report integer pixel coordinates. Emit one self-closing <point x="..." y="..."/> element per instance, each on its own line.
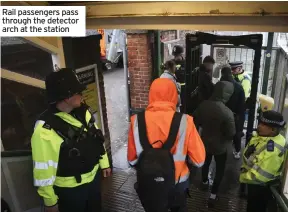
<point x="163" y="98"/>
<point x="67" y="149"/>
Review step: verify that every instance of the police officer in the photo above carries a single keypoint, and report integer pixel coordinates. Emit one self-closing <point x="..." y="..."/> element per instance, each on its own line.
<point x="241" y="76"/>
<point x="179" y="60"/>
<point x="263" y="159"/>
<point x="67" y="149"/>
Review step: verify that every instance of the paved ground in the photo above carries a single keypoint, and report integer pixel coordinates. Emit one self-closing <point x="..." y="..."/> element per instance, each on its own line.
<point x="117" y="111"/>
<point x="119" y="194"/>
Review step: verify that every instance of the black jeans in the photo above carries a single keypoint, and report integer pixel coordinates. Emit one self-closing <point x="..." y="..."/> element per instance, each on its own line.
<point x="239" y="124"/>
<point x="177" y="202"/>
<point x="84" y="198"/>
<point x="258" y="198"/>
<point x="220" y="168"/>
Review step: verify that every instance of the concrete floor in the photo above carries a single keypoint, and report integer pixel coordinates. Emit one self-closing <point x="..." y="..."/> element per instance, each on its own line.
<point x="117" y="111"/>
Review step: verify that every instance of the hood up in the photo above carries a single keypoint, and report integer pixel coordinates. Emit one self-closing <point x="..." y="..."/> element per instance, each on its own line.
<point x="223" y="90"/>
<point x="163" y="90"/>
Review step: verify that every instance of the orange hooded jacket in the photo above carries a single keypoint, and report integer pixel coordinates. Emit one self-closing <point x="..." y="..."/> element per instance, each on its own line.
<point x="163" y="98"/>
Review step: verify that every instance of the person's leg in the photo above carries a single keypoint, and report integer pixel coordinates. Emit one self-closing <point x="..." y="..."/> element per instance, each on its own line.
<point x="220" y="168"/>
<point x="257" y="198"/>
<point x="94" y="195"/>
<point x="72" y="199"/>
<point x="179" y="203"/>
<point x="205" y="168"/>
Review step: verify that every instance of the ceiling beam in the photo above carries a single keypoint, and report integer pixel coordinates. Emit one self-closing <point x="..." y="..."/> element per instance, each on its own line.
<point x="253" y="24"/>
<point x="187" y="9"/>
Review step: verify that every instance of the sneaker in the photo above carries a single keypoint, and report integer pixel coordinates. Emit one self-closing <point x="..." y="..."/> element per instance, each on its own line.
<point x="212" y="200"/>
<point x="237" y="155"/>
<point x="205" y="186"/>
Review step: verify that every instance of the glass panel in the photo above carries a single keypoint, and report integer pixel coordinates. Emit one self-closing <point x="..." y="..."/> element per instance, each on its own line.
<point x="21" y="106"/>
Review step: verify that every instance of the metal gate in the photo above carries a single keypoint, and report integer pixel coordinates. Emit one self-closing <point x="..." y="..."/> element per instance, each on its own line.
<point x="230" y="53"/>
<point x="250" y="41"/>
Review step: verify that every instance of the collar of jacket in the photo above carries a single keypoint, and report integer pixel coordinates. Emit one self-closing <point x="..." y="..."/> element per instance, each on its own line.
<point x="161" y="106"/>
<point x="240" y="76"/>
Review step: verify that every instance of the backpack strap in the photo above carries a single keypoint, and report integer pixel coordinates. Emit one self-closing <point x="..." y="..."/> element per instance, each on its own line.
<point x="142" y="131"/>
<point x="174" y="128"/>
<point x="175" y="124"/>
<point x="65" y="130"/>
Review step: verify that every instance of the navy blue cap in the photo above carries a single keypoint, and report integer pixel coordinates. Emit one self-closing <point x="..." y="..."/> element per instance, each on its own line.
<point x="236" y="64"/>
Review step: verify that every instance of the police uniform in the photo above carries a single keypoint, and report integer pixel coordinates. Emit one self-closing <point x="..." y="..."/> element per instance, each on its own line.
<point x="243" y="78"/>
<point x="263" y="159"/>
<point x="67" y="150"/>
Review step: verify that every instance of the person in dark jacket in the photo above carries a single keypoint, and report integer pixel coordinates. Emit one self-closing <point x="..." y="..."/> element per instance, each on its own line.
<point x="218" y="128"/>
<point x="203" y="86"/>
<point x="179" y="60"/>
<point x="237" y="105"/>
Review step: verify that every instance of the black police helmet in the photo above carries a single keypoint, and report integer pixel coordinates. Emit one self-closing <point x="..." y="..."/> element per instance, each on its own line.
<point x="272" y="118"/>
<point x="62" y="84"/>
<point x="177" y="50"/>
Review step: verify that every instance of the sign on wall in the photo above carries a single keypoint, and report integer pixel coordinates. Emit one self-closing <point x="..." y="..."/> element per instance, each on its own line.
<point x="89" y="77"/>
<point x="221" y="56"/>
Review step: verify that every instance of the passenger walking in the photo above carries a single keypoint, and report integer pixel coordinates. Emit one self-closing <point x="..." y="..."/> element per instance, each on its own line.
<point x="218" y="128"/>
<point x="169" y="73"/>
<point x="160" y="140"/>
<point x="67" y="149"/>
<point x="263" y="160"/>
<point x="180" y="73"/>
<point x="202" y="76"/>
<point x="237" y="105"/>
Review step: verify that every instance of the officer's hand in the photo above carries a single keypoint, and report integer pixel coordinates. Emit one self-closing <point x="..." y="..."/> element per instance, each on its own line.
<point x="107" y="172"/>
<point x="52" y="209"/>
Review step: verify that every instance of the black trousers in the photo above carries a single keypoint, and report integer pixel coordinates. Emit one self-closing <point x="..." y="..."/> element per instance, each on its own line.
<point x="220" y="168"/>
<point x="177" y="202"/>
<point x="258" y="198"/>
<point x="84" y="198"/>
<point x="239" y="124"/>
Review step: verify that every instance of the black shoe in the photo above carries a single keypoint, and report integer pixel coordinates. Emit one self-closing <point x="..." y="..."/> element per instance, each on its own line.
<point x="205" y="186"/>
<point x="212" y="202"/>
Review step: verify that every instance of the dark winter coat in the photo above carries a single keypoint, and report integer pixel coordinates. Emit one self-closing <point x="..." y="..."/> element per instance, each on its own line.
<point x="216" y="119"/>
<point x="236" y="102"/>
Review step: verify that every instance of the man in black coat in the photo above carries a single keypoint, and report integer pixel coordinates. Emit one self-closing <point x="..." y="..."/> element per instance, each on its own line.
<point x="237" y="105"/>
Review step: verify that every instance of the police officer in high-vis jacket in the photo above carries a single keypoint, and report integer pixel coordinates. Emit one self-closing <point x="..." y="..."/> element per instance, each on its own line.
<point x="241" y="76"/>
<point x="67" y="149"/>
<point x="263" y="160"/>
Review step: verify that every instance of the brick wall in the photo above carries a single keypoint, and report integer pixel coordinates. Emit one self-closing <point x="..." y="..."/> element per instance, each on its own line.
<point x="139" y="67"/>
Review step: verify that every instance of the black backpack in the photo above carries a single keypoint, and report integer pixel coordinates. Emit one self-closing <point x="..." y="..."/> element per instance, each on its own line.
<point x="155" y="168"/>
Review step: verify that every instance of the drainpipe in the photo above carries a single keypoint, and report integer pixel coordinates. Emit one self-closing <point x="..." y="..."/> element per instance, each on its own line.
<point x="126" y="75"/>
<point x="268" y="55"/>
<point x="158" y="50"/>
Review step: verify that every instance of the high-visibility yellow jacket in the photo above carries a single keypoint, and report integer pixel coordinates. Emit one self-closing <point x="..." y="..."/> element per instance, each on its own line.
<point x="265" y="163"/>
<point x="245" y="81"/>
<point x="45" y="153"/>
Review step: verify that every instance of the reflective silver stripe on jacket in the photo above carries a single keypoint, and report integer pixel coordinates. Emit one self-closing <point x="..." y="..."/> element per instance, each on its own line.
<point x="178" y="155"/>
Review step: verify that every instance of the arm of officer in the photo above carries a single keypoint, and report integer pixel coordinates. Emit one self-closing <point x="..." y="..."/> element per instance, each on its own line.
<point x="196" y="150"/>
<point x="131" y="153"/>
<point x="247" y="87"/>
<point x="45" y="154"/>
<point x="266" y="168"/>
<point x="104" y="161"/>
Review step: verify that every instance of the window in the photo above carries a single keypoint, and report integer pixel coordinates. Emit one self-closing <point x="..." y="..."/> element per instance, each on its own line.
<point x="20" y="107"/>
<point x="23" y="70"/>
